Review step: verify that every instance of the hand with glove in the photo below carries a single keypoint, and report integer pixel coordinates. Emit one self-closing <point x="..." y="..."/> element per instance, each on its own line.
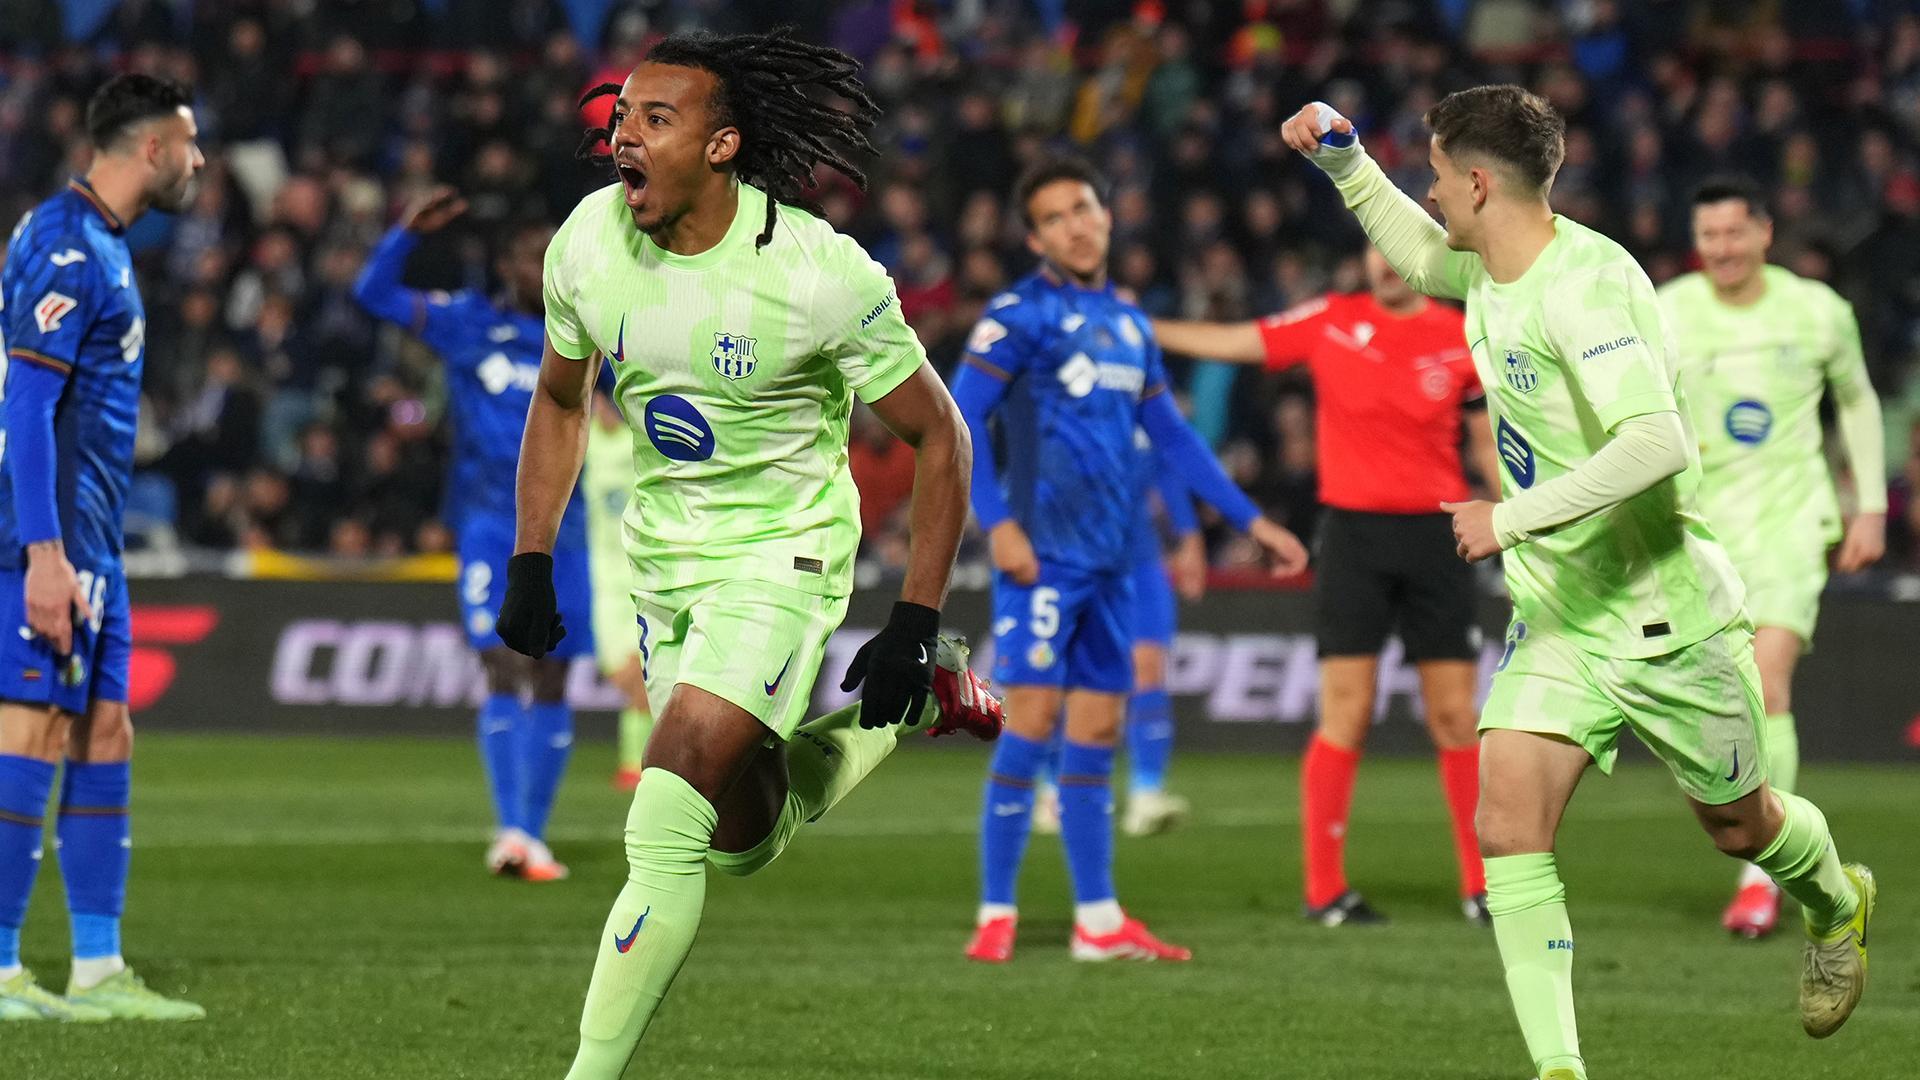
<point x="897" y="666"/>
<point x="529" y="620"/>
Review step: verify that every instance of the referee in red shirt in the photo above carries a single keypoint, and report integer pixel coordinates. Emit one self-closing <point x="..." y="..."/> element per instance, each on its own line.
<point x="1394" y="385"/>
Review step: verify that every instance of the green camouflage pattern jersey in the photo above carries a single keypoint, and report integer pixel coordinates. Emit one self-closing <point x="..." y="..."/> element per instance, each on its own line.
<point x="1569" y="350"/>
<point x="736" y="368"/>
<point x="1753" y="378"/>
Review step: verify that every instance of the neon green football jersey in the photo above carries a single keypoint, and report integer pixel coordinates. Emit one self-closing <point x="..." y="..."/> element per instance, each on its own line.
<point x="736" y="368"/>
<point x="1569" y="350"/>
<point x="1753" y="378"/>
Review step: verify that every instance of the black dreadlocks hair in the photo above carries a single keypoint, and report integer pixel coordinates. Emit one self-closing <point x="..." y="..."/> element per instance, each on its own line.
<point x="764" y="90"/>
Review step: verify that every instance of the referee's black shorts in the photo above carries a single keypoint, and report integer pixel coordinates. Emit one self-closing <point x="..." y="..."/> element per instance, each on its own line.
<point x="1376" y="573"/>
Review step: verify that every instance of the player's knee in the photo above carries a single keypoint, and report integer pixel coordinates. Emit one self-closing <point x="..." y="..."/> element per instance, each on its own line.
<point x="1502" y="830"/>
<point x="503" y="670"/>
<point x="1452" y="725"/>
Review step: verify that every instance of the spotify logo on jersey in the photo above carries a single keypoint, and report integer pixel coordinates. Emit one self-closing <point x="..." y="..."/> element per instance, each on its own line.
<point x="1515" y="453"/>
<point x="678" y="430"/>
<point x="1749" y="422"/>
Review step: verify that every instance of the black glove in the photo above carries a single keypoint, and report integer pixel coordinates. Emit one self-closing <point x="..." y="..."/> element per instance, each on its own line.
<point x="529" y="619"/>
<point x="897" y="666"/>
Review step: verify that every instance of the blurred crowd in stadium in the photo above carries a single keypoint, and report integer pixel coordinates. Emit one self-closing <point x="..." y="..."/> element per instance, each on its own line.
<point x="279" y="415"/>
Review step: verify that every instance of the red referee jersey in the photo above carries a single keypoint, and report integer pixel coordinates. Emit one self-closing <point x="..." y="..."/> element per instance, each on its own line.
<point x="1389" y="391"/>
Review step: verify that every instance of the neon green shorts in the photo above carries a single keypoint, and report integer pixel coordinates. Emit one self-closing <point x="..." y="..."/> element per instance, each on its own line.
<point x="1697" y="708"/>
<point x="616" y="632"/>
<point x="1784" y="585"/>
<point x="754" y="643"/>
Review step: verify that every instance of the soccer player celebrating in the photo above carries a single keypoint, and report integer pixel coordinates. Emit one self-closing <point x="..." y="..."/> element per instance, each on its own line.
<point x="492" y="351"/>
<point x="1392" y="378"/>
<point x="75" y="339"/>
<point x="1627" y="612"/>
<point x="607" y="481"/>
<point x="739" y="329"/>
<point x="1072" y="371"/>
<point x="1757" y="346"/>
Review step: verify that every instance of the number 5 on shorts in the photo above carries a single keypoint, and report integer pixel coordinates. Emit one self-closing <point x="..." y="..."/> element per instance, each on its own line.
<point x="1046" y="612"/>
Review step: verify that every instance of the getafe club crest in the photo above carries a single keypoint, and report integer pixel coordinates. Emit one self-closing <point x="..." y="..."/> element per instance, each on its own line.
<point x="733" y="355"/>
<point x="1520" y="372"/>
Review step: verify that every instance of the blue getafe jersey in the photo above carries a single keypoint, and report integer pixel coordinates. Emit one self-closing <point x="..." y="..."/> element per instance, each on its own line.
<point x="71" y="306"/>
<point x="1079" y="362"/>
<point x="492" y="356"/>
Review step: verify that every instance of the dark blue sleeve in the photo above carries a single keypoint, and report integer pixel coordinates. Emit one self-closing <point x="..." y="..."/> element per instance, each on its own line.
<point x="978" y="391"/>
<point x="1182" y="449"/>
<point x="1174" y="495"/>
<point x="33" y="390"/>
<point x="999" y="343"/>
<point x="378" y="288"/>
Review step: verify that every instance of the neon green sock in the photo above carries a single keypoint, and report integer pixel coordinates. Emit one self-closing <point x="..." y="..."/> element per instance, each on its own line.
<point x="1529" y="908"/>
<point x="652" y="925"/>
<point x="826" y="760"/>
<point x="1805" y="863"/>
<point x="1783" y="752"/>
<point x="635" y="726"/>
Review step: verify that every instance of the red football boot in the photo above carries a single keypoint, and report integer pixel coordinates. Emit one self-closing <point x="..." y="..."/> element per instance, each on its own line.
<point x="992" y="941"/>
<point x="1130" y="942"/>
<point x="964" y="700"/>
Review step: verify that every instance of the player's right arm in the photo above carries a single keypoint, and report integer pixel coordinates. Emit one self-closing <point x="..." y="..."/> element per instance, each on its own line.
<point x="1276" y="341"/>
<point x="1857" y="415"/>
<point x="552" y="450"/>
<point x="379" y="288"/>
<point x="46" y="318"/>
<point x="1411" y="240"/>
<point x="1236" y="343"/>
<point x="997" y="352"/>
<point x="1607" y="328"/>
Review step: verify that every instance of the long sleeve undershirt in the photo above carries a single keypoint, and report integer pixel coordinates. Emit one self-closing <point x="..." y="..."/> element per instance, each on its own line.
<point x="1644" y="450"/>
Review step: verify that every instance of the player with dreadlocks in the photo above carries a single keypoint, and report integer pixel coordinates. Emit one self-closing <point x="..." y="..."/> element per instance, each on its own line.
<point x="739" y="328"/>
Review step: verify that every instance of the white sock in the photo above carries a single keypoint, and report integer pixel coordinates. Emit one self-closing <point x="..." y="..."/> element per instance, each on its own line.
<point x="990" y="912"/>
<point x="7" y="973"/>
<point x="1753" y="875"/>
<point x="1099" y="917"/>
<point x="88" y="974"/>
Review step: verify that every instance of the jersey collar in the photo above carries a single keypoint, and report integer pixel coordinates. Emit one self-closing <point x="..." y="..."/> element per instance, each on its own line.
<point x="85" y="190"/>
<point x="748" y="218"/>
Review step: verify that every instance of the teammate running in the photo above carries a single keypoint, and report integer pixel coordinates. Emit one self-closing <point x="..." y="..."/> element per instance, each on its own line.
<point x="1757" y="345"/>
<point x="1072" y="372"/>
<point x="1392" y="378"/>
<point x="1627" y="612"/>
<point x="607" y="482"/>
<point x="75" y="339"/>
<point x="492" y="351"/>
<point x="739" y="329"/>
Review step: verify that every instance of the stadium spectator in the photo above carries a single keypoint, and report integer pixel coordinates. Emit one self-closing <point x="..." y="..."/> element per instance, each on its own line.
<point x="319" y="129"/>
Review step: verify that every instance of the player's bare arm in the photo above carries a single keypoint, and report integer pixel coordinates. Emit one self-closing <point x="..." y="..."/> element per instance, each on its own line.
<point x="54" y="595"/>
<point x="1237" y="343"/>
<point x="552" y="449"/>
<point x="922" y="414"/>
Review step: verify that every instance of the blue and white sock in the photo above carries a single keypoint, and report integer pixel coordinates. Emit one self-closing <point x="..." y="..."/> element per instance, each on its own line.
<point x="25" y="784"/>
<point x="1006" y="817"/>
<point x="546" y="741"/>
<point x="1086" y="829"/>
<point x="501" y="717"/>
<point x="1149" y="739"/>
<point x="96" y="849"/>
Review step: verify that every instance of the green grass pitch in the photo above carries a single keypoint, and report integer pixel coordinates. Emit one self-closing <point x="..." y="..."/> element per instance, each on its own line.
<point x="324" y="899"/>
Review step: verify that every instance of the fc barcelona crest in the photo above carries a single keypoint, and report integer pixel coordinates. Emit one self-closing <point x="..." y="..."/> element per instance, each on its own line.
<point x="733" y="355"/>
<point x="1520" y="372"/>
